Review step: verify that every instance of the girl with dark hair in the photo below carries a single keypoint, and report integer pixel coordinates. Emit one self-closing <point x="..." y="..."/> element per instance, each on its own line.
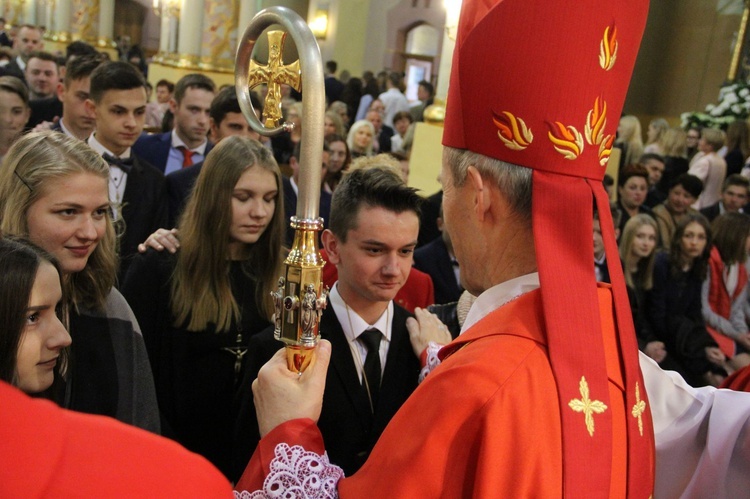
<point x="724" y="295"/>
<point x="674" y="305"/>
<point x="199" y="307"/>
<point x="54" y="191"/>
<point x="631" y="193"/>
<point x="14" y="111"/>
<point x="33" y="340"/>
<point x="338" y="161"/>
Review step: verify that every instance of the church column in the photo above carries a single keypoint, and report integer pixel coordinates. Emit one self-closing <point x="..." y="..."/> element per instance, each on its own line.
<point x="29" y="12"/>
<point x="63" y="11"/>
<point x="47" y="17"/>
<point x="248" y="9"/>
<point x="191" y="26"/>
<point x="106" y="23"/>
<point x="452" y="11"/>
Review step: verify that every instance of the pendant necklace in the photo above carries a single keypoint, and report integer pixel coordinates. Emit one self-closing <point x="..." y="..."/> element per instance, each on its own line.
<point x="238" y="350"/>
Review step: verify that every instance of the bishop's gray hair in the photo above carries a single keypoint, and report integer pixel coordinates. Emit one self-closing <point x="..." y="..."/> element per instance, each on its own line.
<point x="513" y="181"/>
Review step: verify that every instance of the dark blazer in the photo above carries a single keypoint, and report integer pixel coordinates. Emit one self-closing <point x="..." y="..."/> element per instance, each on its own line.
<point x="711" y="212"/>
<point x="44" y="110"/>
<point x="349" y="428"/>
<point x="179" y="186"/>
<point x="333" y="88"/>
<point x="154" y="149"/>
<point x="433" y="259"/>
<point x="290" y="208"/>
<point x="428" y="229"/>
<point x="144" y="209"/>
<point x="384" y="139"/>
<point x="13" y="69"/>
<point x="5" y="40"/>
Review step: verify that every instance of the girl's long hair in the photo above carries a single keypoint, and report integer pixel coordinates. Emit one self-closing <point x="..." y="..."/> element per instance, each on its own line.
<point x="31" y="164"/>
<point x="201" y="287"/>
<point x="19" y="263"/>
<point x="677" y="260"/>
<point x="645" y="265"/>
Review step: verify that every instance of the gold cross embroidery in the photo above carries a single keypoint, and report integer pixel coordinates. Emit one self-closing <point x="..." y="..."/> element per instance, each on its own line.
<point x="639" y="408"/>
<point x="587" y="406"/>
<point x="275" y="73"/>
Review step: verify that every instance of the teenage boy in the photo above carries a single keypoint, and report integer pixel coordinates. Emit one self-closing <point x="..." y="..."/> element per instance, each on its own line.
<point x="373" y="369"/>
<point x="187" y="143"/>
<point x="118" y="101"/>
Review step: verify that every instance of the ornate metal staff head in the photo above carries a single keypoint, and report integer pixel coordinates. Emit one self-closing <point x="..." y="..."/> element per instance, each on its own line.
<point x="300" y="296"/>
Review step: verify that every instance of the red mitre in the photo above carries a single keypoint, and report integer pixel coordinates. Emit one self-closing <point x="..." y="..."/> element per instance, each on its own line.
<point x="541" y="84"/>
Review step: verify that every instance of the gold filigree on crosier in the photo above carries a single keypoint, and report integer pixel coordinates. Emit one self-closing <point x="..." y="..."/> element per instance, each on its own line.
<point x="275" y="74"/>
<point x="587" y="406"/>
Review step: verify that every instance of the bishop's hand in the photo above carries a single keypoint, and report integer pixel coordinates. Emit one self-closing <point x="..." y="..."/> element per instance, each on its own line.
<point x="282" y="395"/>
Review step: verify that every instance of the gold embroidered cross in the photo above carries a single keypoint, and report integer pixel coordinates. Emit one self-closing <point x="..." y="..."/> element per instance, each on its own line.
<point x="275" y="73"/>
<point x="639" y="408"/>
<point x="587" y="406"/>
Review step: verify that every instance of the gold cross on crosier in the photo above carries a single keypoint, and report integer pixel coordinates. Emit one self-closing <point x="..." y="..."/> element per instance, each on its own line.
<point x="275" y="74"/>
<point x="639" y="408"/>
<point x="587" y="406"/>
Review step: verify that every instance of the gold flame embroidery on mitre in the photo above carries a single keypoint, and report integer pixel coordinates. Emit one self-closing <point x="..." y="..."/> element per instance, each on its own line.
<point x="594" y="130"/>
<point x="567" y="140"/>
<point x="512" y="131"/>
<point x="608" y="48"/>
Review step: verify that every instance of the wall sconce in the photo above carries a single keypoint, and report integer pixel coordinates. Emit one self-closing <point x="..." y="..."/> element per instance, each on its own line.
<point x="319" y="24"/>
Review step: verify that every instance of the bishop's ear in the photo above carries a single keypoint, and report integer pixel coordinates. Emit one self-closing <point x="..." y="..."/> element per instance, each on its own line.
<point x="480" y="190"/>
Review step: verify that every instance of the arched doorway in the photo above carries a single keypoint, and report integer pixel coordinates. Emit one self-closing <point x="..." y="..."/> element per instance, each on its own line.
<point x="421" y="46"/>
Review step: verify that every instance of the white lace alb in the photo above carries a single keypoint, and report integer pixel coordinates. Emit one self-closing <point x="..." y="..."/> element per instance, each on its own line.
<point x="297" y="473"/>
<point x="432" y="360"/>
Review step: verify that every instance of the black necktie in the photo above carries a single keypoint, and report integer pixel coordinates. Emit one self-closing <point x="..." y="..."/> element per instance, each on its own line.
<point x="371" y="338"/>
<point x="124" y="164"/>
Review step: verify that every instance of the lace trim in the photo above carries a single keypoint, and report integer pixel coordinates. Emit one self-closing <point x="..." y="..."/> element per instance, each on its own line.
<point x="297" y="473"/>
<point x="432" y="360"/>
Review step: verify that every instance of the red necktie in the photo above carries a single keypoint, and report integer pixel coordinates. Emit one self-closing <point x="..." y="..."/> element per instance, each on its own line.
<point x="187" y="156"/>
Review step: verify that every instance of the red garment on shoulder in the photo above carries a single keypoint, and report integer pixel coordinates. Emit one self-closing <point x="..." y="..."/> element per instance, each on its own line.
<point x="719" y="299"/>
<point x="739" y="380"/>
<point x="485" y="423"/>
<point x="52" y="452"/>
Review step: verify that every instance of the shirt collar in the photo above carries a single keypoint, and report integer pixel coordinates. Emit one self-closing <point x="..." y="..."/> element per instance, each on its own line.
<point x="499" y="295"/>
<point x="345" y="315"/>
<point x="177" y="142"/>
<point x="99" y="148"/>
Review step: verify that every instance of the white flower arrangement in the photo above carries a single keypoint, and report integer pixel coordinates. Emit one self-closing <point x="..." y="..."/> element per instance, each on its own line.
<point x="734" y="104"/>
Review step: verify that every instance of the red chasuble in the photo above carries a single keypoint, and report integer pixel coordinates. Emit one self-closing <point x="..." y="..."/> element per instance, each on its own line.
<point x="485" y="423"/>
<point x="51" y="452"/>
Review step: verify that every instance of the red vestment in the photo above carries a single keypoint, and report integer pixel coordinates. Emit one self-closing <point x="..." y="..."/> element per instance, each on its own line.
<point x="52" y="452"/>
<point x="720" y="301"/>
<point x="485" y="423"/>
